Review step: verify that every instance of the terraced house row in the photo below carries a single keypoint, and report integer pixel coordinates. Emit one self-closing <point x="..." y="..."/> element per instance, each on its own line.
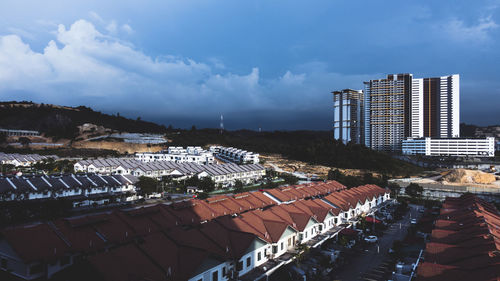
<point x="218" y="238"/>
<point x="223" y="174"/>
<point x="464" y="244"/>
<point x="83" y="189"/>
<point x="17" y="159"/>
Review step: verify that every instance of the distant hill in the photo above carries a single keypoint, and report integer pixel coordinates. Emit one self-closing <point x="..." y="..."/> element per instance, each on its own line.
<point x="62" y="121"/>
<point x="473" y="131"/>
<point x="315" y="147"/>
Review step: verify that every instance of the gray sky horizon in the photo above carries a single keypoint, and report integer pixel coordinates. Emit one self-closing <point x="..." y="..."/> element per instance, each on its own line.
<point x="262" y="64"/>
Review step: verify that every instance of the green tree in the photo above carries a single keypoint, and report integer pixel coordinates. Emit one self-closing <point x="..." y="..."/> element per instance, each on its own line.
<point x="238" y="186"/>
<point x="147" y="185"/>
<point x="414" y="190"/>
<point x="395" y="188"/>
<point x="289" y="178"/>
<point x="207" y="184"/>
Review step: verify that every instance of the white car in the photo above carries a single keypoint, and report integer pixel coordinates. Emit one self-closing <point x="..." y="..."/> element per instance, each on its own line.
<point x="413" y="221"/>
<point x="371" y="239"/>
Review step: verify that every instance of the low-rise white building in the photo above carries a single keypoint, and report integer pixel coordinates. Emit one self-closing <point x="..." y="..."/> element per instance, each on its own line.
<point x="87" y="188"/>
<point x="191" y="154"/>
<point x="17" y="159"/>
<point x="450" y="147"/>
<point x="221" y="174"/>
<point x="238" y="156"/>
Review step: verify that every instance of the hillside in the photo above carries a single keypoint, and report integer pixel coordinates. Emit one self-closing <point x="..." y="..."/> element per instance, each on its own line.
<point x="62" y="121"/>
<point x="314" y="147"/>
<point x="473" y="131"/>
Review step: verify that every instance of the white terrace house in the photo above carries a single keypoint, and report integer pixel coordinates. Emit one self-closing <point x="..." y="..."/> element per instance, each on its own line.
<point x="310" y="231"/>
<point x="254" y="257"/>
<point x="191" y="154"/>
<point x="235" y="155"/>
<point x="228" y="174"/>
<point x="210" y="269"/>
<point x="286" y="242"/>
<point x="345" y="213"/>
<point x="330" y="221"/>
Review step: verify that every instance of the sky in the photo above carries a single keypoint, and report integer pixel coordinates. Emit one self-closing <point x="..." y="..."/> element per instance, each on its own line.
<point x="262" y="64"/>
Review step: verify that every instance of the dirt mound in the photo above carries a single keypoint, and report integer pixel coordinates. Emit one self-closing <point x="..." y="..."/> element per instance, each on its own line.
<point x="469" y="176"/>
<point x="121" y="147"/>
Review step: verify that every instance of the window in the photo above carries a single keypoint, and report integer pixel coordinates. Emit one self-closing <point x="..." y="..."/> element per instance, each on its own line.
<point x="239" y="267"/>
<point x="259" y="256"/>
<point x="249" y="261"/>
<point x="215" y="275"/>
<point x="275" y="249"/>
<point x="282" y="245"/>
<point x="224" y="271"/>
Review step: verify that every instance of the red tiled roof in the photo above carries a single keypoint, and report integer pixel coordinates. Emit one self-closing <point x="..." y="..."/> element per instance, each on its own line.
<point x="126" y="263"/>
<point x="37" y="242"/>
<point x="465" y="242"/>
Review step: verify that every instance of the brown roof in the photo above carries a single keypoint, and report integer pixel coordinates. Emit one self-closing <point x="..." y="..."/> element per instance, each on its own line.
<point x="38" y="242"/>
<point x="465" y="242"/>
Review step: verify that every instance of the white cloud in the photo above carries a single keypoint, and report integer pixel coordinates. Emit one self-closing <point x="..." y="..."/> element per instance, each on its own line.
<point x="85" y="66"/>
<point x="460" y="31"/>
<point x="127" y="28"/>
<point x="112" y="27"/>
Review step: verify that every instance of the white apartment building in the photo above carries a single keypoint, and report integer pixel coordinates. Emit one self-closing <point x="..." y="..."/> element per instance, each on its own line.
<point x="191" y="154"/>
<point x="238" y="156"/>
<point x="435" y="107"/>
<point x="450" y="147"/>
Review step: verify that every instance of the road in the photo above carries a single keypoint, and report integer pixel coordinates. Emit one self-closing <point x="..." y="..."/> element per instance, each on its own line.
<point x="365" y="265"/>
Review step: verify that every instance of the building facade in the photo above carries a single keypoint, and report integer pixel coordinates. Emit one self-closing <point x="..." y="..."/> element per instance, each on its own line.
<point x="450" y="147"/>
<point x="400" y="106"/>
<point x="235" y="155"/>
<point x="435" y="107"/>
<point x="190" y="154"/>
<point x="348" y="116"/>
<point x="387" y="111"/>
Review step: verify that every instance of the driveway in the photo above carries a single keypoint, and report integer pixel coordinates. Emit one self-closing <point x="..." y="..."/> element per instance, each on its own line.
<point x="368" y="264"/>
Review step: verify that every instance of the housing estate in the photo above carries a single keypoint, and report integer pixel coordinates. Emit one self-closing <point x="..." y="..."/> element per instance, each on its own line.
<point x="465" y="242"/>
<point x="220" y="238"/>
<point x="81" y="189"/>
<point x="17" y="159"/>
<point x="221" y="174"/>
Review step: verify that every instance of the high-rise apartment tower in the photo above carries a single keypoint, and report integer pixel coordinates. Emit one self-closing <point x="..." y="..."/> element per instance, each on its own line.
<point x="435" y="108"/>
<point x="401" y="106"/>
<point x="387" y="111"/>
<point x="348" y="116"/>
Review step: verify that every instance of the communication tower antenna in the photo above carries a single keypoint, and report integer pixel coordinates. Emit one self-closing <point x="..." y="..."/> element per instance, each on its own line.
<point x="221" y="123"/>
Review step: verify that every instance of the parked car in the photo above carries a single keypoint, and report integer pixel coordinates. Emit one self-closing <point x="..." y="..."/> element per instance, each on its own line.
<point x="371" y="239"/>
<point x="413" y="221"/>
